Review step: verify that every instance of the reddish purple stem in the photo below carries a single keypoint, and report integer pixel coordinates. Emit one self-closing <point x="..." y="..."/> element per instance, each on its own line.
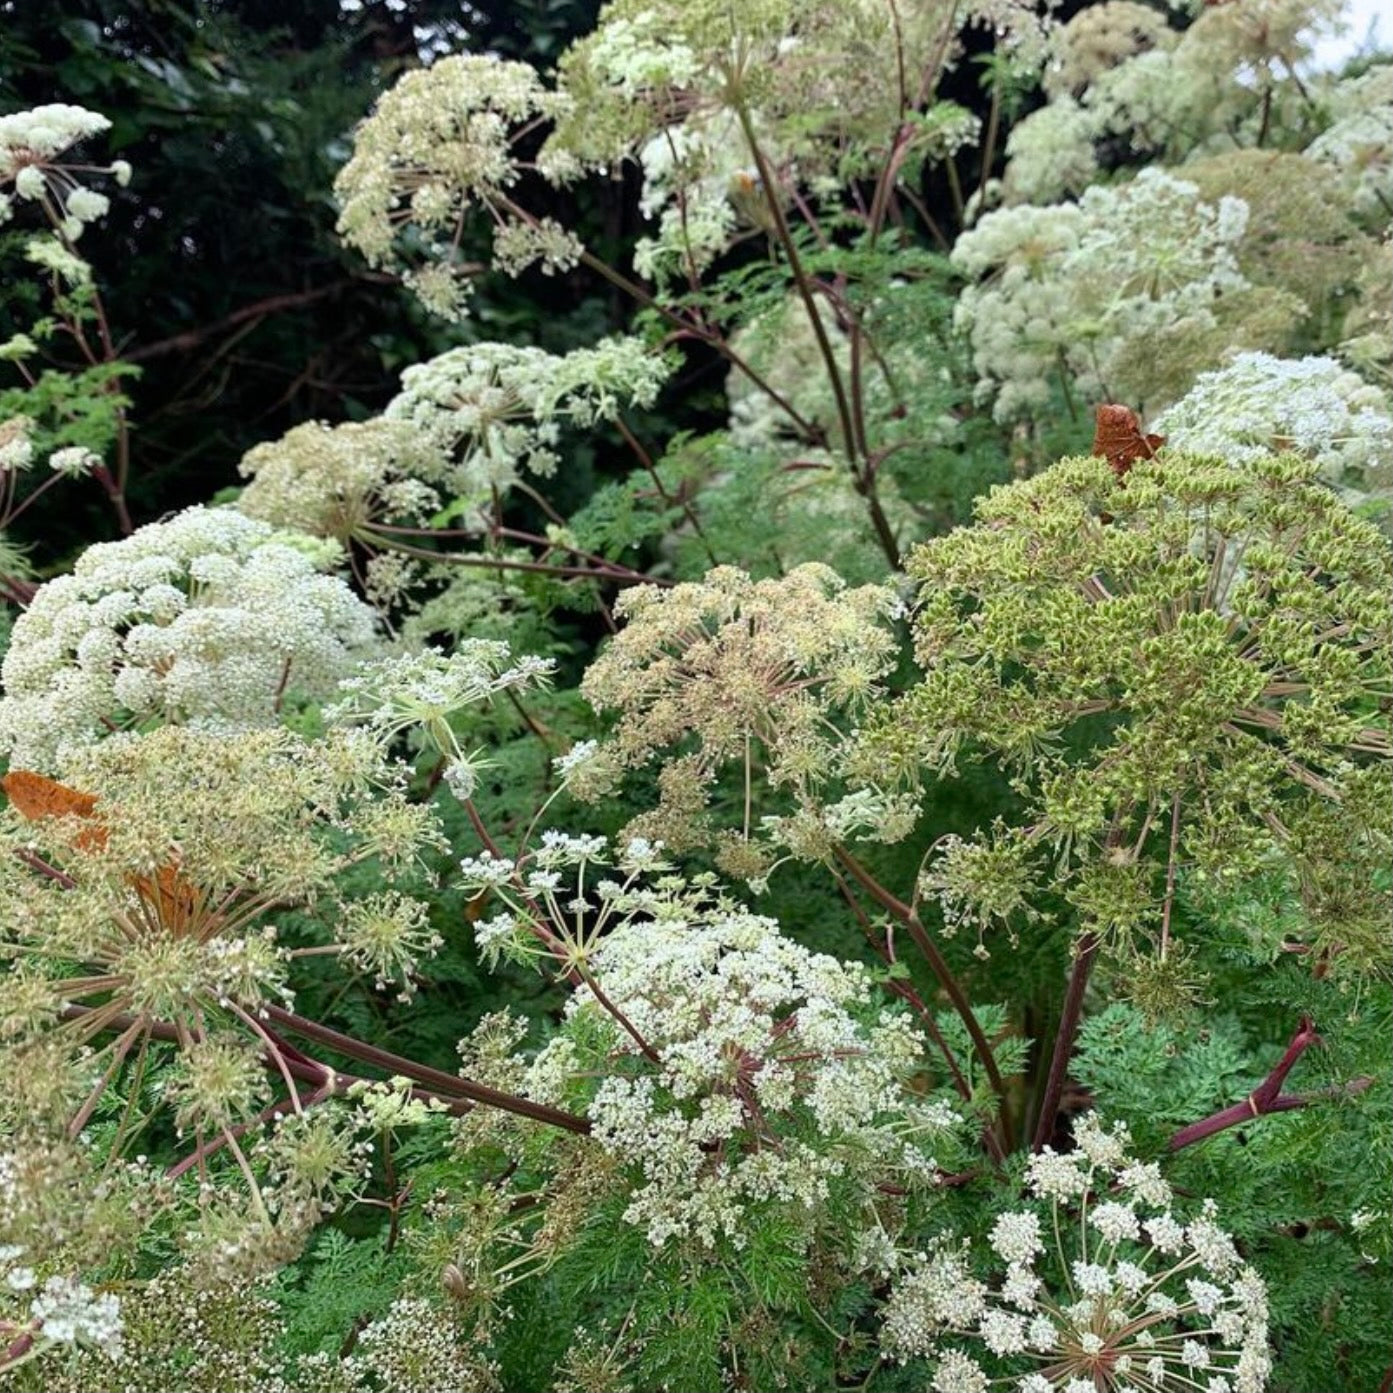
<point x="1268" y="1097"/>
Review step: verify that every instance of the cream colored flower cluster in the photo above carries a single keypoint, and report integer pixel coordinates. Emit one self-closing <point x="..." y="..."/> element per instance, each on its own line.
<point x="767" y="1074"/>
<point x="746" y="669"/>
<point x="437" y="147"/>
<point x="1103" y="1286"/>
<point x="208" y="619"/>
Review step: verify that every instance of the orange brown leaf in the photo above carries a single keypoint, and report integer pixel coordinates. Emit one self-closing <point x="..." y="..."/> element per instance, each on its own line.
<point x="1119" y="438"/>
<point x="35" y="797"/>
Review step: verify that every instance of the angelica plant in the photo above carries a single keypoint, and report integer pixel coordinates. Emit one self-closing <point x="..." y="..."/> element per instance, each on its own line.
<point x="536" y="896"/>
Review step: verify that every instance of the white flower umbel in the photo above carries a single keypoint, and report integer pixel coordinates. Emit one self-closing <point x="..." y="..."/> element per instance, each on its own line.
<point x="496" y="409"/>
<point x="208" y="619"/>
<point x="70" y="1312"/>
<point x="1359" y="144"/>
<point x="31" y="146"/>
<point x="1260" y="405"/>
<point x="741" y="1071"/>
<point x="1092" y="1284"/>
<point x="31" y="138"/>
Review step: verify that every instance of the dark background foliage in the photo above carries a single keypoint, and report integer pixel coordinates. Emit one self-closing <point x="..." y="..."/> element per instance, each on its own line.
<point x="224" y="280"/>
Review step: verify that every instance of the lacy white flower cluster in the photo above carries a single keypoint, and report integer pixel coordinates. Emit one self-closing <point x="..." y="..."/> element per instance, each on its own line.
<point x="1087" y="287"/>
<point x="208" y="619"/>
<point x="439" y="144"/>
<point x="766" y="1074"/>
<point x="1103" y="1287"/>
<point x="548" y="911"/>
<point x="60" y="1312"/>
<point x="1116" y="72"/>
<point x="1359" y="142"/>
<point x="427" y="691"/>
<point x="498" y="408"/>
<point x="1317" y="407"/>
<point x="31" y="143"/>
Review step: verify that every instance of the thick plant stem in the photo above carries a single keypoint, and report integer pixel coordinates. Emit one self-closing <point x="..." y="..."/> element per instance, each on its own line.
<point x="1268" y="1097"/>
<point x="907" y="993"/>
<point x="851" y="426"/>
<point x="646" y="460"/>
<point x="950" y="984"/>
<point x="422" y="1073"/>
<point x="801" y="281"/>
<point x="1064" y="1039"/>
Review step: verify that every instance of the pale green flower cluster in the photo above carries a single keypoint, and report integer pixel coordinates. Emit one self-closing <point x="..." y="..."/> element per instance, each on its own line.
<point x="437" y="148"/>
<point x="1096" y="1282"/>
<point x="1118" y="73"/>
<point x="334" y="481"/>
<point x="1098" y="38"/>
<point x="1260" y="405"/>
<point x="1178" y="666"/>
<point x="688" y="89"/>
<point x="210" y="619"/>
<point x="152" y="884"/>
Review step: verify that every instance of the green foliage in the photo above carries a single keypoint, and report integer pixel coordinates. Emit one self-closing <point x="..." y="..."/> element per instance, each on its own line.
<point x="695" y="840"/>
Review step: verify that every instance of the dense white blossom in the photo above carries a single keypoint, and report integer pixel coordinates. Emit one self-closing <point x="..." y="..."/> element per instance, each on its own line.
<point x="207" y="619"/>
<point x="31" y="146"/>
<point x="1359" y="142"/>
<point x="1317" y="407"/>
<point x="1091" y="287"/>
<point x="771" y="1055"/>
<point x="70" y="1312"/>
